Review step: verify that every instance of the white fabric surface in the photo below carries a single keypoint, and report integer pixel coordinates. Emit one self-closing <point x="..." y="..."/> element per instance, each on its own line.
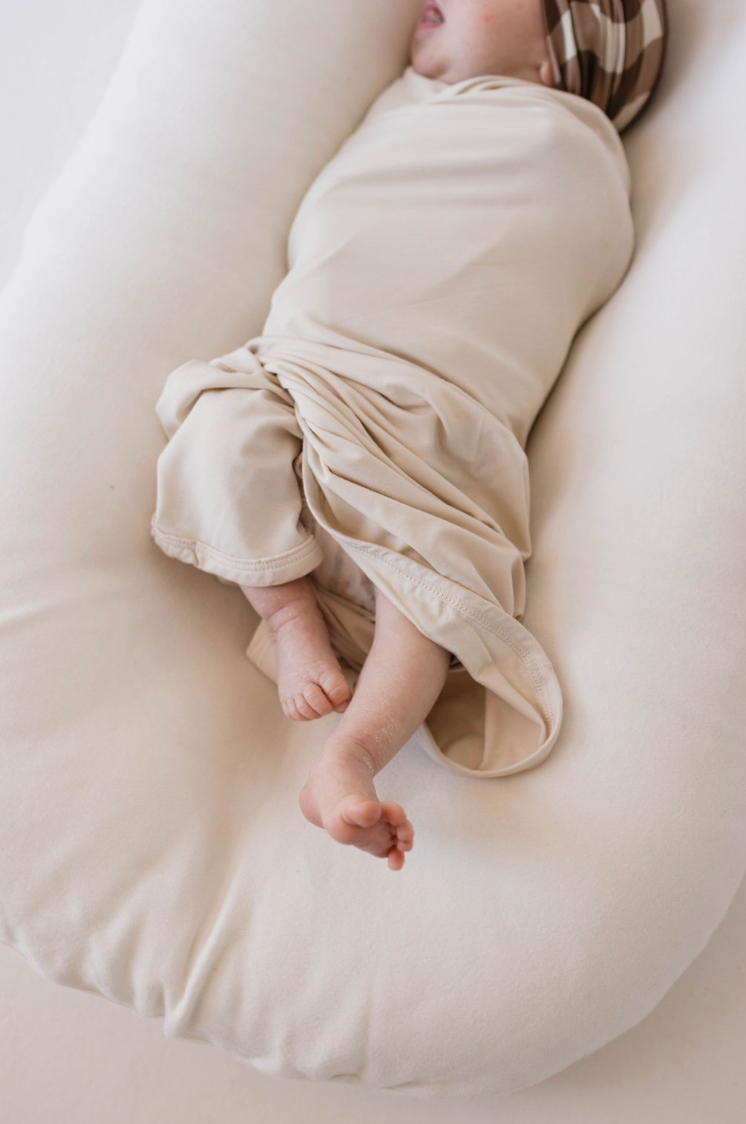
<point x="152" y="849"/>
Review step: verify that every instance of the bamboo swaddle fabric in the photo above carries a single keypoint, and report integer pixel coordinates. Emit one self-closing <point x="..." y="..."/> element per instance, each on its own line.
<point x="440" y="266"/>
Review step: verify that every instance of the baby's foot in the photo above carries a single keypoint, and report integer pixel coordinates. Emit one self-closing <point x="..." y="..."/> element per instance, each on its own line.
<point x="310" y="682"/>
<point x="339" y="796"/>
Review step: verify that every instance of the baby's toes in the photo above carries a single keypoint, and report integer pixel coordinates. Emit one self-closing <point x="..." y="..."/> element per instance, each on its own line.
<point x="394" y="813"/>
<point x="336" y="688"/>
<point x="288" y="705"/>
<point x="402" y="829"/>
<point x="298" y="708"/>
<point x="314" y="697"/>
<point x="405" y="837"/>
<point x="395" y="859"/>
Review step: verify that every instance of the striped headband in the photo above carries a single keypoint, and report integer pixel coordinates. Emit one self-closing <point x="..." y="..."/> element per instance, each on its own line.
<point x="609" y="51"/>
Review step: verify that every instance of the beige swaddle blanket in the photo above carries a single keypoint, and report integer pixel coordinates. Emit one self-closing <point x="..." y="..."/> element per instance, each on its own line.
<point x="440" y="265"/>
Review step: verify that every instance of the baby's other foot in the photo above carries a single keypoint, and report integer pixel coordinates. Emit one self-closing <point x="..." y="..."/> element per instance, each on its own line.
<point x="340" y="797"/>
<point x="310" y="682"/>
<point x="379" y="827"/>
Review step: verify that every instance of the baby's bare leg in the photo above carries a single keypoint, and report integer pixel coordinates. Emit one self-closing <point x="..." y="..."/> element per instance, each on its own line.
<point x="310" y="680"/>
<point x="401" y="678"/>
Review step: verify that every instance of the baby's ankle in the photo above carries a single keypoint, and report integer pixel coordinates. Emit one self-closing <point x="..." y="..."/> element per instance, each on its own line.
<point x="298" y="607"/>
<point x="276" y="604"/>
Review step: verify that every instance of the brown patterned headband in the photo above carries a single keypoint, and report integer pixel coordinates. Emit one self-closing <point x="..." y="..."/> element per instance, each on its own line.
<point x="609" y="51"/>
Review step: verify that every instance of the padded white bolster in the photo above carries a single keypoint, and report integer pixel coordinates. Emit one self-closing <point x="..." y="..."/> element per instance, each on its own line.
<point x="152" y="849"/>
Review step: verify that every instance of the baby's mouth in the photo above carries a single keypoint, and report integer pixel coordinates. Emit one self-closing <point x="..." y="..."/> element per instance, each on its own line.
<point x="431" y="15"/>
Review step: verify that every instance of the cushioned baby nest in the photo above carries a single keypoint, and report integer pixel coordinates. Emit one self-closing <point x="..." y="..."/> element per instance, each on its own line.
<point x="152" y="849"/>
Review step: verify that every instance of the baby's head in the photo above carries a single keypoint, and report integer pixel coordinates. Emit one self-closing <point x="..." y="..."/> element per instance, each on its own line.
<point x="608" y="51"/>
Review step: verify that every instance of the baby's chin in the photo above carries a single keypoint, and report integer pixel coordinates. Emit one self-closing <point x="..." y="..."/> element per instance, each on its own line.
<point x="428" y="69"/>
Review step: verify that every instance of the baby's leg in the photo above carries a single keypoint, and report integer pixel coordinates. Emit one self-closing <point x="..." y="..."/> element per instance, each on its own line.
<point x="400" y="680"/>
<point x="310" y="680"/>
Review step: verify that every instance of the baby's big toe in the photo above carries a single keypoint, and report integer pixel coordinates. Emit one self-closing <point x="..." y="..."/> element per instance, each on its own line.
<point x="316" y="699"/>
<point x="358" y="811"/>
<point x="336" y="688"/>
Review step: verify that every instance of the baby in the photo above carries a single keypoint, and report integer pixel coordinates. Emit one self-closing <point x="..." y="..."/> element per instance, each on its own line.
<point x="549" y="43"/>
<point x="404" y="671"/>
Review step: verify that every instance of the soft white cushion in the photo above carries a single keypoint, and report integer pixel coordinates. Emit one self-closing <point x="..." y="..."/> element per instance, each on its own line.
<point x="151" y="845"/>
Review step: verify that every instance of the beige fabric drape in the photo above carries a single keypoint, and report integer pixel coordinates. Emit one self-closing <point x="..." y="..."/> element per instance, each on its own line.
<point x="440" y="267"/>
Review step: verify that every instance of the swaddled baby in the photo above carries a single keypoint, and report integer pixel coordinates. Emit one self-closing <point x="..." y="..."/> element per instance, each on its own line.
<point x="359" y="468"/>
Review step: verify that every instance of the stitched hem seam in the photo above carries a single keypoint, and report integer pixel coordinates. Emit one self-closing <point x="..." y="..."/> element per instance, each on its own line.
<point x="200" y="553"/>
<point x="524" y="656"/>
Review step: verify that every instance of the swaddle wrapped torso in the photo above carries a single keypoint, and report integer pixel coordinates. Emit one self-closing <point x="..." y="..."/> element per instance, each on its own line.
<point x="440" y="265"/>
<point x="469" y="229"/>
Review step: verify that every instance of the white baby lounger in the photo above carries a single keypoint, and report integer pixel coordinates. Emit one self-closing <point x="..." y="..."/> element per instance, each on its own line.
<point x="151" y="845"/>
